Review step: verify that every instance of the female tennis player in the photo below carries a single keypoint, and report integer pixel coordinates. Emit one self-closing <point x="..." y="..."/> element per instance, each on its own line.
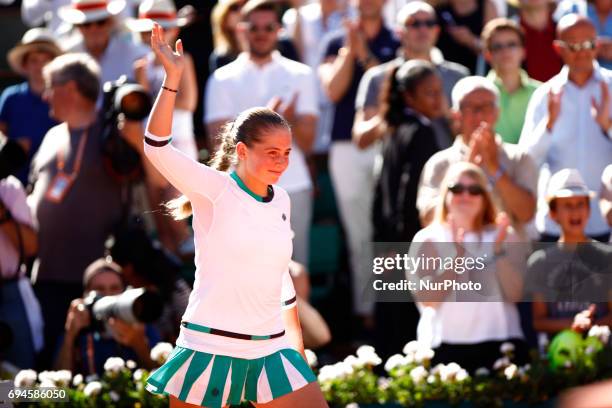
<point x="240" y="337"/>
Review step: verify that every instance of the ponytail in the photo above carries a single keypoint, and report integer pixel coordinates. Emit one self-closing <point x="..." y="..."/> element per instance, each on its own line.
<point x="247" y="128"/>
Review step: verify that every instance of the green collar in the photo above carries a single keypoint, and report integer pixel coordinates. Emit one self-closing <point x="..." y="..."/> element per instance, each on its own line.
<point x="250" y="192"/>
<point x="497" y="80"/>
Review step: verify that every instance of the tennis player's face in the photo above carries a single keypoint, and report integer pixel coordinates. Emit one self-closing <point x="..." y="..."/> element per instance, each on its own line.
<point x="268" y="159"/>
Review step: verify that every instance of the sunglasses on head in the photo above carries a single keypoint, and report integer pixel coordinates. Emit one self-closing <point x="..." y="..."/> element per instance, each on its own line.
<point x="472" y="189"/>
<point x="575" y="47"/>
<point x="496" y="47"/>
<point x="99" y="23"/>
<point x="266" y="28"/>
<point x="422" y="23"/>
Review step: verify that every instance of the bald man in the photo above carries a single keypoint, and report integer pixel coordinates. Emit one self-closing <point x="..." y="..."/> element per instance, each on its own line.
<point x="569" y="121"/>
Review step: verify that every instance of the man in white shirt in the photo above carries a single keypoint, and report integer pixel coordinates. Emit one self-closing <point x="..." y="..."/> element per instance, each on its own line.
<point x="100" y="37"/>
<point x="568" y="122"/>
<point x="262" y="77"/>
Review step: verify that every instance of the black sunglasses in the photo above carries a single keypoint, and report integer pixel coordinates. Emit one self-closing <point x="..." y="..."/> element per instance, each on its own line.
<point x="99" y="23"/>
<point x="422" y="23"/>
<point x="502" y="46"/>
<point x="472" y="189"/>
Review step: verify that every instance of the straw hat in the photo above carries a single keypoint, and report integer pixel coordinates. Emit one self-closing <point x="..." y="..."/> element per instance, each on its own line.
<point x="162" y="12"/>
<point x="35" y="39"/>
<point x="567" y="183"/>
<point x="85" y="11"/>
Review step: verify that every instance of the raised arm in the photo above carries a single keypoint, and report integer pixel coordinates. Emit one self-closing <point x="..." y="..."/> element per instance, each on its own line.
<point x="185" y="174"/>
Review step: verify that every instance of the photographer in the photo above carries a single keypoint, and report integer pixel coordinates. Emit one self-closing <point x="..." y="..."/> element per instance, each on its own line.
<point x="75" y="198"/>
<point x="19" y="309"/>
<point x="83" y="349"/>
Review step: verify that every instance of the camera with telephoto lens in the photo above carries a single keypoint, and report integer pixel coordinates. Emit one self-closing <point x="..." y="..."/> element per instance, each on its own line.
<point x="132" y="102"/>
<point x="132" y="306"/>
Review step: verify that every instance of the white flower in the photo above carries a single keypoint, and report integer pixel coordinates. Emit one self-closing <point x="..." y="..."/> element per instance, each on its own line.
<point x="437" y="369"/>
<point x="93" y="388"/>
<point x="423" y="354"/>
<point x="46" y="376"/>
<point x="131" y="364"/>
<point x="396" y="360"/>
<point x="418" y="374"/>
<point x="601" y="332"/>
<point x="501" y="363"/>
<point x="62" y="378"/>
<point x="511" y="371"/>
<point x="326" y="373"/>
<point x="25" y="378"/>
<point x="482" y="372"/>
<point x="506" y="348"/>
<point x="462" y="375"/>
<point x="113" y="396"/>
<point x="352" y="405"/>
<point x="138" y="374"/>
<point x="161" y="352"/>
<point x="567" y="364"/>
<point x="114" y="364"/>
<point x="77" y="380"/>
<point x="354" y="362"/>
<point x="367" y="356"/>
<point x="411" y="347"/>
<point x="383" y="383"/>
<point x="449" y="371"/>
<point x="311" y="357"/>
<point x="343" y="369"/>
<point x="431" y="379"/>
<point x="91" y="377"/>
<point x="47" y="383"/>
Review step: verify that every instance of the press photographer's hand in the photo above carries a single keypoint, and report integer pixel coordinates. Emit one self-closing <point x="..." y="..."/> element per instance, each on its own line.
<point x="77" y="318"/>
<point x="127" y="334"/>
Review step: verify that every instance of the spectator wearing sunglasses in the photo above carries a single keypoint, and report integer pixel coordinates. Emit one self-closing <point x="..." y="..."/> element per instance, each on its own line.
<point x="504" y="44"/>
<point x="418" y="33"/>
<point x="511" y="173"/>
<point x="568" y="122"/>
<point x="96" y="21"/>
<point x="458" y="326"/>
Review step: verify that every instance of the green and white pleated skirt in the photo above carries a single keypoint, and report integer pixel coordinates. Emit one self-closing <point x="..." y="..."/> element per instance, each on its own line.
<point x="213" y="380"/>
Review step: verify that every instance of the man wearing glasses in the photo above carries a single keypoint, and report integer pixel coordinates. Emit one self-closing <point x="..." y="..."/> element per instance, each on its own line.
<point x="261" y="76"/>
<point x="511" y="172"/>
<point x="568" y="122"/>
<point x="504" y="43"/>
<point x="418" y="34"/>
<point x="100" y="37"/>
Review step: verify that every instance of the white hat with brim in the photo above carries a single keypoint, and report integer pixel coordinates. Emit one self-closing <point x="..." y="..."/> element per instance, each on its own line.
<point x="162" y="12"/>
<point x="86" y="11"/>
<point x="567" y="183"/>
<point x="141" y="25"/>
<point x="35" y="39"/>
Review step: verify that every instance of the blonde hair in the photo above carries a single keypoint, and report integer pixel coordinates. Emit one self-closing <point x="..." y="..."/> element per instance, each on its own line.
<point x="489" y="211"/>
<point x="248" y="128"/>
<point x="224" y="40"/>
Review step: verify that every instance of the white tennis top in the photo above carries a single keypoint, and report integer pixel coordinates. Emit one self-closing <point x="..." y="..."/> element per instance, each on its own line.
<point x="243" y="247"/>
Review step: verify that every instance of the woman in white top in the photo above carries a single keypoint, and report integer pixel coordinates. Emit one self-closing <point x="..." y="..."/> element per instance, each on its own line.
<point x="468" y="327"/>
<point x="240" y="338"/>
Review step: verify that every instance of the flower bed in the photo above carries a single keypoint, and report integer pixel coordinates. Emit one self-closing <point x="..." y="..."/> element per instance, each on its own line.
<point x="411" y="381"/>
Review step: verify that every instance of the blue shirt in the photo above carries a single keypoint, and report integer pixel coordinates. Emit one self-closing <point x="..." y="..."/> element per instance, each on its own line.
<point x="105" y="347"/>
<point x="383" y="47"/>
<point x="26" y="115"/>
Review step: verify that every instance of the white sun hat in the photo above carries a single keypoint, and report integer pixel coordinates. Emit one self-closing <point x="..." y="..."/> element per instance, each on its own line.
<point x="35" y="39"/>
<point x="162" y="12"/>
<point x="85" y="11"/>
<point x="567" y="183"/>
